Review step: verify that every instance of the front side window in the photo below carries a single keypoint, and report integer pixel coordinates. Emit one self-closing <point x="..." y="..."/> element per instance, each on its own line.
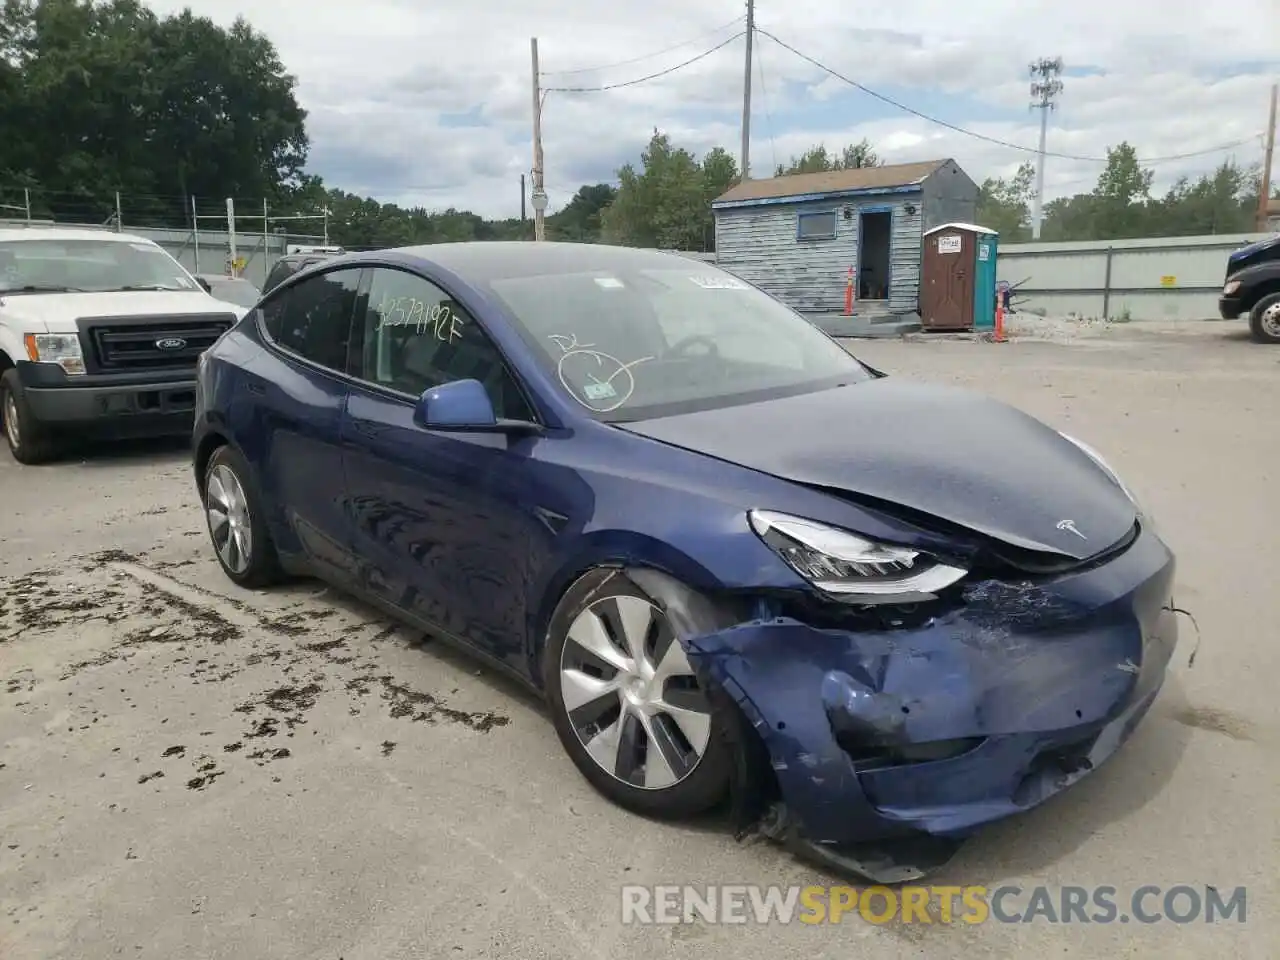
<point x="40" y="265"/>
<point x="414" y="336"/>
<point x="648" y="339"/>
<point x="313" y="318"/>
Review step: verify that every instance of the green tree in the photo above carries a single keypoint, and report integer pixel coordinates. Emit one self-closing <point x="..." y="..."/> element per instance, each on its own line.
<point x="100" y="96"/>
<point x="1004" y="205"/>
<point x="579" y="221"/>
<point x="818" y="160"/>
<point x="1122" y="194"/>
<point x="666" y="203"/>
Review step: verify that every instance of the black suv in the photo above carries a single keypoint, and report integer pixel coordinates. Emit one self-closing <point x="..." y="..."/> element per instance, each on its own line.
<point x="1252" y="289"/>
<point x="290" y="264"/>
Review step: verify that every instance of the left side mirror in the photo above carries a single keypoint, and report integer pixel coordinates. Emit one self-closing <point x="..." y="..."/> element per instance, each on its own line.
<point x="204" y="284"/>
<point x="458" y="405"/>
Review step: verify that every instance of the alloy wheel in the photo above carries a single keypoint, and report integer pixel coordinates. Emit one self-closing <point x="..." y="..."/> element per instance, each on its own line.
<point x="11" y="425"/>
<point x="229" y="523"/>
<point x="631" y="696"/>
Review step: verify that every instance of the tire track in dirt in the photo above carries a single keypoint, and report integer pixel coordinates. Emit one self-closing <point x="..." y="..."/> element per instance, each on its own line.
<point x="297" y="659"/>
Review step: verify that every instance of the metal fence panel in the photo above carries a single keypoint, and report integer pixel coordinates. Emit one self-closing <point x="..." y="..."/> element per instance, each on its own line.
<point x="1164" y="278"/>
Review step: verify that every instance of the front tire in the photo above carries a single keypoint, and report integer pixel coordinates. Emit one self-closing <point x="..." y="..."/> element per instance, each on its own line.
<point x="626" y="703"/>
<point x="29" y="440"/>
<point x="1264" y="319"/>
<point x="236" y="520"/>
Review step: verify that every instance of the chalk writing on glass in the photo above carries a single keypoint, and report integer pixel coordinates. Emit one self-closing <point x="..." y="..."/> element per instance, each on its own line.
<point x="609" y="383"/>
<point x="436" y="319"/>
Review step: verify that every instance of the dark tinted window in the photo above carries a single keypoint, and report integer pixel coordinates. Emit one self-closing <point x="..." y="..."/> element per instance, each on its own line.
<point x="279" y="273"/>
<point x="313" y="318"/>
<point x="414" y="336"/>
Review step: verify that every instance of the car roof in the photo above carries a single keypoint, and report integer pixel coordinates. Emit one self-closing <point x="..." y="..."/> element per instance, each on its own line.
<point x="311" y="255"/>
<point x="487" y="260"/>
<point x="69" y="233"/>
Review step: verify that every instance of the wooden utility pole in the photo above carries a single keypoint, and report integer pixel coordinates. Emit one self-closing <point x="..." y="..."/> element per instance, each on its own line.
<point x="746" y="92"/>
<point x="539" y="193"/>
<point x="1264" y="184"/>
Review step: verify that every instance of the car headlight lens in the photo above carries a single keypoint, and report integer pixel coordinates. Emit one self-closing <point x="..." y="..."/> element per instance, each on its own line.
<point x="60" y="348"/>
<point x="850" y="567"/>
<point x="1231" y="287"/>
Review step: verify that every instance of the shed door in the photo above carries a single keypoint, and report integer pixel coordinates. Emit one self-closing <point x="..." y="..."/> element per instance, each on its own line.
<point x="946" y="302"/>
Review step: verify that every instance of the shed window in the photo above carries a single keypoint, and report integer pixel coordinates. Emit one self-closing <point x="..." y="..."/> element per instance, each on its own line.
<point x="817" y="226"/>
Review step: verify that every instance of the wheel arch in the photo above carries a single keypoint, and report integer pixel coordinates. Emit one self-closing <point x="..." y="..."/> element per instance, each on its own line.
<point x="610" y="550"/>
<point x="1260" y="291"/>
<point x="211" y="440"/>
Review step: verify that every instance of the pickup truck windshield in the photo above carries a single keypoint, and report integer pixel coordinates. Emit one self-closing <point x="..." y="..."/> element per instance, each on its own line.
<point x="88" y="265"/>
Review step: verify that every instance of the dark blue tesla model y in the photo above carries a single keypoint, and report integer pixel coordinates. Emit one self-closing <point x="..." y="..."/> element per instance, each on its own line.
<point x="739" y="565"/>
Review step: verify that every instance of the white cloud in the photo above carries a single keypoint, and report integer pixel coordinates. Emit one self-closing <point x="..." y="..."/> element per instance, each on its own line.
<point x="377" y="79"/>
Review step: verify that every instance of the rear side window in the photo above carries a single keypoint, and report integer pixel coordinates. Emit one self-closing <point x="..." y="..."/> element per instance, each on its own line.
<point x="313" y="318"/>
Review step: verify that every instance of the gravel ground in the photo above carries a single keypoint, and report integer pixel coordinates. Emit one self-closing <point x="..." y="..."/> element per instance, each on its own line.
<point x="191" y="770"/>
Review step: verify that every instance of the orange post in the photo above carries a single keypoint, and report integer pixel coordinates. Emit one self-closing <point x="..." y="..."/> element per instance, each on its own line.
<point x="999" y="334"/>
<point x="848" y="295"/>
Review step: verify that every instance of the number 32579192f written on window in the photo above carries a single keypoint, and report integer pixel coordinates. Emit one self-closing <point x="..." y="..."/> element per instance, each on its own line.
<point x="436" y="319"/>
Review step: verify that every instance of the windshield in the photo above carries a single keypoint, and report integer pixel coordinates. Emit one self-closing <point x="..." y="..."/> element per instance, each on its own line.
<point x="645" y="343"/>
<point x="88" y="265"/>
<point x="233" y="290"/>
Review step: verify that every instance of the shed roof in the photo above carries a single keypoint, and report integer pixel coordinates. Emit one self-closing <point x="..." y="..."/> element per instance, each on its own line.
<point x="831" y="181"/>
<point x="970" y="227"/>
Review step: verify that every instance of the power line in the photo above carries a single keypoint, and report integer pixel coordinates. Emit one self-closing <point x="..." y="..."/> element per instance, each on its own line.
<point x="653" y="76"/>
<point x="647" y="56"/>
<point x="981" y="136"/>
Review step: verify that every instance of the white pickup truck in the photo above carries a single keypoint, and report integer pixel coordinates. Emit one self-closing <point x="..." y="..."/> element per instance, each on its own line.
<point x="100" y="333"/>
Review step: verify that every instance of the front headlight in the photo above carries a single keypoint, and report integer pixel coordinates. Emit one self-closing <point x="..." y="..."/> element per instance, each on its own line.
<point x="60" y="348"/>
<point x="850" y="567"/>
<point x="1231" y="287"/>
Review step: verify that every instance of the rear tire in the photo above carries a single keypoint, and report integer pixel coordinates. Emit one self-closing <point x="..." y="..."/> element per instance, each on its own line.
<point x="627" y="706"/>
<point x="1264" y="319"/>
<point x="29" y="440"/>
<point x="237" y="522"/>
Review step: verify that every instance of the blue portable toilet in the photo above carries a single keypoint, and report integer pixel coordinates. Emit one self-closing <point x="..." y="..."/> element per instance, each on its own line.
<point x="958" y="278"/>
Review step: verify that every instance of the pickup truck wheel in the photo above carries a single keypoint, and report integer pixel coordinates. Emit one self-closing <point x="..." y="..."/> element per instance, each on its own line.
<point x="29" y="440"/>
<point x="1264" y="320"/>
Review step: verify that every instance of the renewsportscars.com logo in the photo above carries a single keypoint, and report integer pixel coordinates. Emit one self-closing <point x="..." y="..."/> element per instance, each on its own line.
<point x="740" y="904"/>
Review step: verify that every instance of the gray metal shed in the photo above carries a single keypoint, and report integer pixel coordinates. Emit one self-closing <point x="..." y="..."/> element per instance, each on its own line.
<point x="797" y="236"/>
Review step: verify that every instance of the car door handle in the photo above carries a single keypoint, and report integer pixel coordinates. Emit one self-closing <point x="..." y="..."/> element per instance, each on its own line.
<point x="256" y="389"/>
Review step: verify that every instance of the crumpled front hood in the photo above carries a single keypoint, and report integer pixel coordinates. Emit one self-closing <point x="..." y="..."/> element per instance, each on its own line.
<point x="953" y="454"/>
<point x="57" y="312"/>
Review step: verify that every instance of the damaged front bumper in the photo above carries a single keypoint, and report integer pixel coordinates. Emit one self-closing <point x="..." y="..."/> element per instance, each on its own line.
<point x="916" y="737"/>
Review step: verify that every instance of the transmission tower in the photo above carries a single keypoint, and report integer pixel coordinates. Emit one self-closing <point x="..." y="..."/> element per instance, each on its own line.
<point x="1045" y="86"/>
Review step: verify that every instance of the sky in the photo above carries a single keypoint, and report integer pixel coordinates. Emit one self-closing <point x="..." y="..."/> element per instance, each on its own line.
<point x="430" y="103"/>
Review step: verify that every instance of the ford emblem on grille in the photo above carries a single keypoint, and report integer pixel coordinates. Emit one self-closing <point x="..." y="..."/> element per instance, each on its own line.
<point x="170" y="343"/>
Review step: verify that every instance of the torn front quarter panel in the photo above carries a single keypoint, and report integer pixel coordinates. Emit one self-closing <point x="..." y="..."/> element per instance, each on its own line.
<point x="980" y="713"/>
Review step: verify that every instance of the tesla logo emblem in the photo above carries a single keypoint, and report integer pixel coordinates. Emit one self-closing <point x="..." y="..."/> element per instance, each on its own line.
<point x="171" y="343"/>
<point x="1070" y="527"/>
